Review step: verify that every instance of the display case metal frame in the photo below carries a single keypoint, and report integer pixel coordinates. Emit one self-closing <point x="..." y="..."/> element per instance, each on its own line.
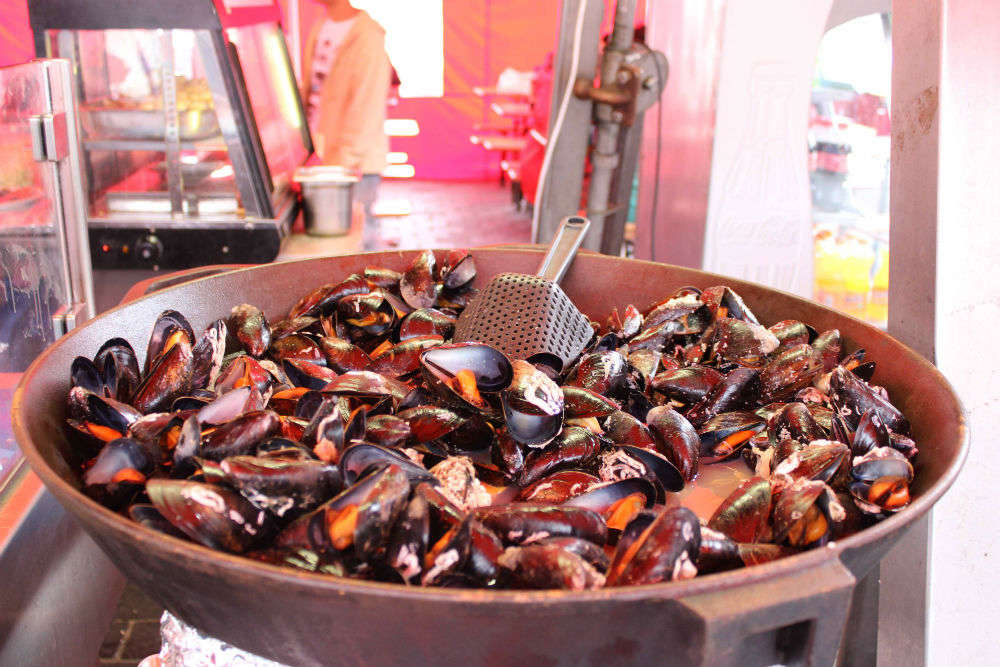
<point x="55" y="25"/>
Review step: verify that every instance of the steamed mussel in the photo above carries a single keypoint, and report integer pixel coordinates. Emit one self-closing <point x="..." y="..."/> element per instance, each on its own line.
<point x="350" y="437"/>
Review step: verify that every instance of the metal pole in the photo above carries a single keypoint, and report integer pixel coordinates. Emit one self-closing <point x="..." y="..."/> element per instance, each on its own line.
<point x="562" y="185"/>
<point x="604" y="158"/>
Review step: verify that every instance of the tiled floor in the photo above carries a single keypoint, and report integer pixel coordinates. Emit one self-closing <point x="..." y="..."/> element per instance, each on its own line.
<point x="442" y="215"/>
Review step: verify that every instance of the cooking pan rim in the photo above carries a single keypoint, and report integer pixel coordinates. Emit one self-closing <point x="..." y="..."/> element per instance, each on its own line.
<point x="206" y="557"/>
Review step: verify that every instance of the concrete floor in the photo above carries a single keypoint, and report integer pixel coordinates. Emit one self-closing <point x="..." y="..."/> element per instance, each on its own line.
<point x="441" y="215"/>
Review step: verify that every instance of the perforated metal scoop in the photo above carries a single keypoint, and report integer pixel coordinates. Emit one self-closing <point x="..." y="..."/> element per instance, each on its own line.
<point x="530" y="317"/>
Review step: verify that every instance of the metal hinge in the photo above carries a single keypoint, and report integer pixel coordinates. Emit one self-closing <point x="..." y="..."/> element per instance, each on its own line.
<point x="49" y="137"/>
<point x="66" y="318"/>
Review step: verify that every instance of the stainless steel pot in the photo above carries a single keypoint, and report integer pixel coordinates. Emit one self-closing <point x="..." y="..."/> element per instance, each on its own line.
<point x="327" y="199"/>
<point x="790" y="611"/>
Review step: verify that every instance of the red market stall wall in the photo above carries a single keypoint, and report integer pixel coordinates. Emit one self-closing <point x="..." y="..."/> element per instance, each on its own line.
<point x="15" y="35"/>
<point x="481" y="39"/>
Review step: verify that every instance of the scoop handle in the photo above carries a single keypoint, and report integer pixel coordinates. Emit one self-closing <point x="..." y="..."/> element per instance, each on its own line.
<point x="567" y="240"/>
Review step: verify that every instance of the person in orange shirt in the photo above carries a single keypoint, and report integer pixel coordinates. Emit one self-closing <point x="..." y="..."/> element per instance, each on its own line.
<point x="346" y="80"/>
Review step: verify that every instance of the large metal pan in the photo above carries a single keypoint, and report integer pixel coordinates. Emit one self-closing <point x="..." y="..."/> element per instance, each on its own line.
<point x="790" y="611"/>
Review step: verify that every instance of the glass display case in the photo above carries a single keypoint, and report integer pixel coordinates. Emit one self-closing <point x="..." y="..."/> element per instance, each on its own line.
<point x="44" y="267"/>
<point x="191" y="122"/>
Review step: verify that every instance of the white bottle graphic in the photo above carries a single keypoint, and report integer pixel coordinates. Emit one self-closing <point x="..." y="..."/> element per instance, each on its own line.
<point x="759" y="222"/>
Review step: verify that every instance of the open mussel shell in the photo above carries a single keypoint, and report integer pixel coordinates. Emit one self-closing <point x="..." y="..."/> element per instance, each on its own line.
<point x="417" y="285"/>
<point x="336" y="430"/>
<point x="666" y="550"/>
<point x="882" y="496"/>
<point x="881" y="462"/>
<point x="168" y="328"/>
<point x="325" y="297"/>
<point x="604" y="496"/>
<point x="101" y="417"/>
<point x="241" y="370"/>
<point x="731" y="304"/>
<point x="306" y="374"/>
<point x="358" y="520"/>
<point x="120" y="470"/>
<point x="677" y="306"/>
<point x="212" y="515"/>
<point x="532" y="406"/>
<point x="169" y="377"/>
<point x="647" y="362"/>
<point x="465" y="556"/>
<point x="725" y="434"/>
<point x="226" y="406"/>
<point x="805" y="512"/>
<point x="119" y="367"/>
<point x="449" y="554"/>
<point x="464" y="372"/>
<point x="618" y="502"/>
<point x="870" y="434"/>
<point x="819" y="460"/>
<point x="367" y="316"/>
<point x="458" y="269"/>
<point x="625" y="462"/>
<point x="83" y="373"/>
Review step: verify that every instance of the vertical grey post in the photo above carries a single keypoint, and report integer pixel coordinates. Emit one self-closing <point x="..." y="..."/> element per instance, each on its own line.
<point x="944" y="291"/>
<point x="614" y="223"/>
<point x="60" y="74"/>
<point x="563" y="184"/>
<point x="604" y="158"/>
<point x="913" y="232"/>
<point x="171" y="131"/>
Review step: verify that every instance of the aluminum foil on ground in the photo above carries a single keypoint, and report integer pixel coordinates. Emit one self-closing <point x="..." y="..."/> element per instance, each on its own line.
<point x="184" y="646"/>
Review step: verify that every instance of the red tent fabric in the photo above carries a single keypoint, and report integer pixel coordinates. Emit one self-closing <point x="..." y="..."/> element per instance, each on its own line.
<point x="481" y="39"/>
<point x="16" y="43"/>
